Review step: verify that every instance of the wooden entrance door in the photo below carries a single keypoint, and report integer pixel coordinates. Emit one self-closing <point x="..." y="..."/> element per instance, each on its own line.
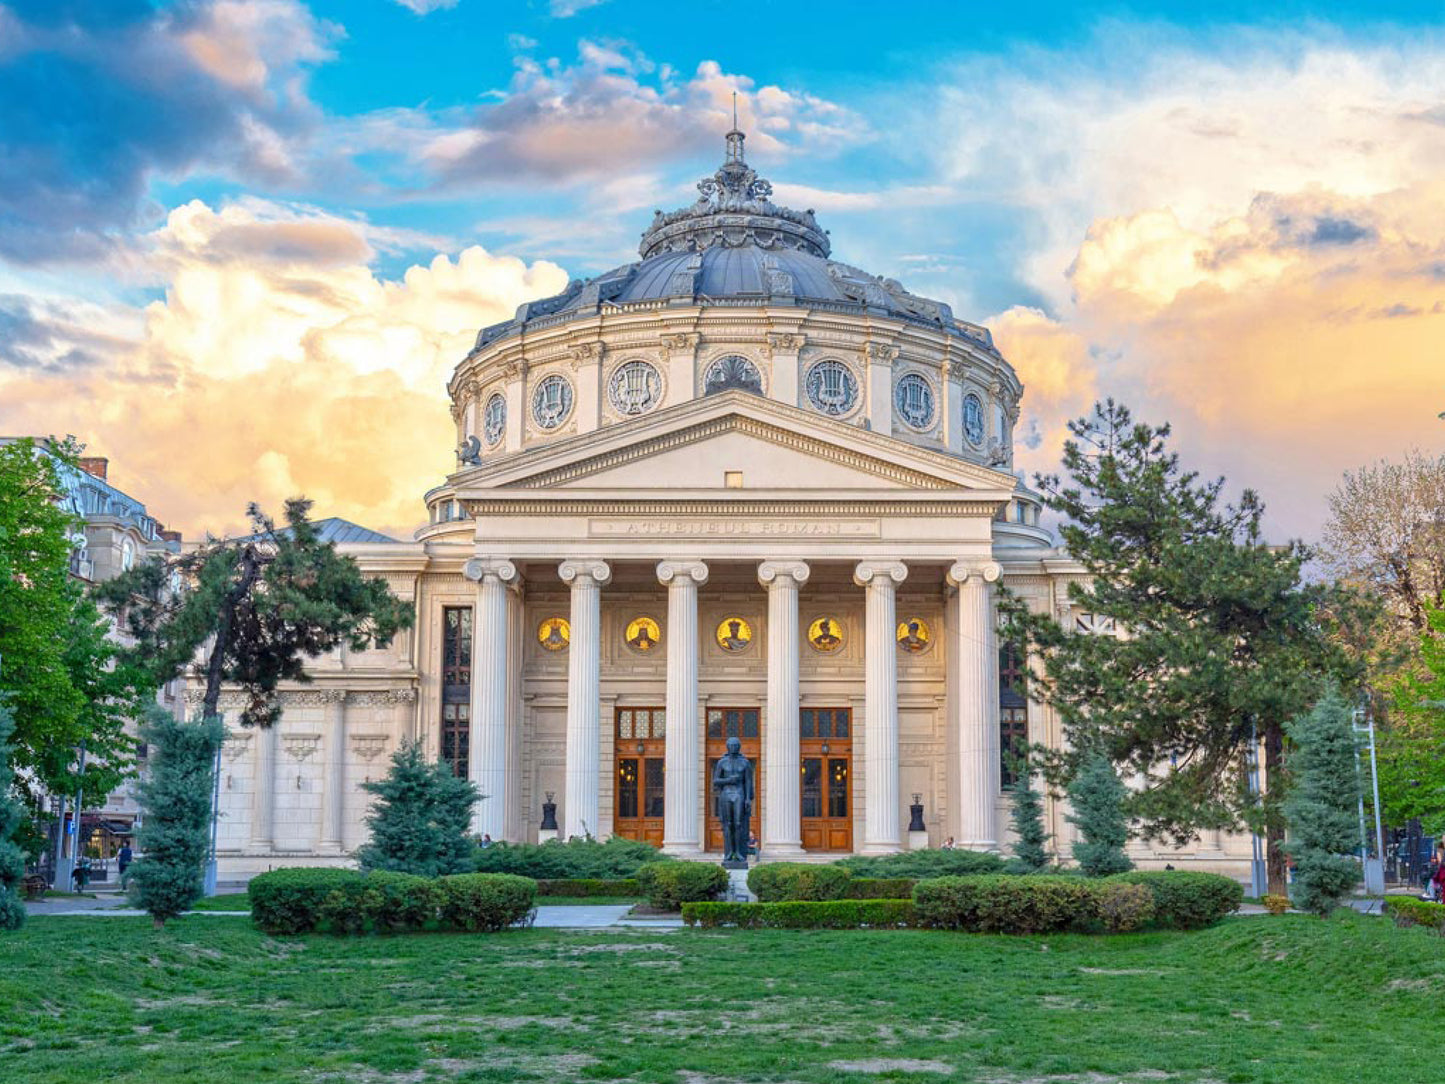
<point x="640" y="749"/>
<point x="826" y="749"/>
<point x="722" y="724"/>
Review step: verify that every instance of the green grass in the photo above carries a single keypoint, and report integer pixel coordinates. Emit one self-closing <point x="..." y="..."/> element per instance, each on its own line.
<point x="210" y="1000"/>
<point x="227" y="901"/>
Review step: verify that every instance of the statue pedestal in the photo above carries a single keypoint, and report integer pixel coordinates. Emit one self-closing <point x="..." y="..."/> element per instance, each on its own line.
<point x="736" y="863"/>
<point x="546" y="835"/>
<point x="918" y="841"/>
<point x="738" y="891"/>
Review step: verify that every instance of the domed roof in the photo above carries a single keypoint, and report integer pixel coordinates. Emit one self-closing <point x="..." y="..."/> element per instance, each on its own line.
<point x="735" y="246"/>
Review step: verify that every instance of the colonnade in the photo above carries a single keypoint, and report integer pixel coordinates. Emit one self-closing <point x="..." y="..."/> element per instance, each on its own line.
<point x="972" y="656"/>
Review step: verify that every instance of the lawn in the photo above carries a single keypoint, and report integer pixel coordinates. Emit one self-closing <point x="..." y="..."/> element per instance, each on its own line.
<point x="211" y="1000"/>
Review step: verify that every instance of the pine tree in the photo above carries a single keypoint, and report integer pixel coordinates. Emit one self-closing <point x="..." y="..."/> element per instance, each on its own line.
<point x="175" y="798"/>
<point x="1028" y="820"/>
<point x="420" y="821"/>
<point x="1322" y="807"/>
<point x="12" y="813"/>
<point x="1097" y="798"/>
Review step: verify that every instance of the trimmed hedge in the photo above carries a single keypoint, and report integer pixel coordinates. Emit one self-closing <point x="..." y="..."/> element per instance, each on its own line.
<point x="1185" y="900"/>
<point x="575" y="859"/>
<point x="669" y="885"/>
<point x="343" y="901"/>
<point x="485" y="902"/>
<point x="287" y="901"/>
<point x="998" y="903"/>
<point x="802" y="914"/>
<point x="1412" y="912"/>
<point x="776" y="882"/>
<point x="920" y="864"/>
<point x="589" y="886"/>
<point x="881" y="888"/>
<point x="1123" y="907"/>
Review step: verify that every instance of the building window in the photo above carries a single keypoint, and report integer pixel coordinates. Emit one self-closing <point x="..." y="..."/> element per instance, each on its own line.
<point x="456" y="687"/>
<point x="1013" y="710"/>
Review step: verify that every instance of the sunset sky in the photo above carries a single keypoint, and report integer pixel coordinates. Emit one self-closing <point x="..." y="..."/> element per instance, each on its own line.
<point x="244" y="242"/>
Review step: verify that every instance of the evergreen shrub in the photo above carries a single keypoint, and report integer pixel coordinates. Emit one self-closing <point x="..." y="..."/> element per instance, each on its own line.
<point x="1096" y="796"/>
<point x="12" y="814"/>
<point x="1124" y="907"/>
<point x="485" y="902"/>
<point x="1185" y="900"/>
<point x="1321" y="807"/>
<point x="289" y="901"/>
<point x="668" y="885"/>
<point x="1412" y="912"/>
<point x="1275" y="904"/>
<point x="577" y="858"/>
<point x="589" y="886"/>
<point x="420" y="818"/>
<point x="775" y="882"/>
<point x="802" y="914"/>
<point x="880" y="888"/>
<point x="1006" y="904"/>
<point x="926" y="863"/>
<point x="400" y="902"/>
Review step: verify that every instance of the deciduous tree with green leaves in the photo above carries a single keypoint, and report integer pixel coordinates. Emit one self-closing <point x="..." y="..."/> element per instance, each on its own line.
<point x="420" y="820"/>
<point x="67" y="683"/>
<point x="1322" y="805"/>
<point x="258" y="607"/>
<point x="1222" y="639"/>
<point x="1411" y="749"/>
<point x="12" y="815"/>
<point x="175" y="797"/>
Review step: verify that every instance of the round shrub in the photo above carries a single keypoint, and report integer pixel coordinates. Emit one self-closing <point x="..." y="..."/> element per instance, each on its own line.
<point x="588" y="886"/>
<point x="485" y="902"/>
<point x="668" y="885"/>
<point x="349" y="910"/>
<point x="1412" y="912"/>
<point x="802" y="915"/>
<point x="775" y="882"/>
<point x="401" y="902"/>
<point x="1184" y="900"/>
<point x="288" y="901"/>
<point x="1004" y="904"/>
<point x="927" y="863"/>
<point x="1275" y="905"/>
<point x="1123" y="907"/>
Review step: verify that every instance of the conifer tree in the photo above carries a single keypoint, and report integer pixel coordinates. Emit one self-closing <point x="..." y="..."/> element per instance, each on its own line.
<point x="420" y="820"/>
<point x="175" y="798"/>
<point x="1028" y="819"/>
<point x="1220" y="638"/>
<point x="12" y="858"/>
<point x="1322" y="806"/>
<point x="1097" y="798"/>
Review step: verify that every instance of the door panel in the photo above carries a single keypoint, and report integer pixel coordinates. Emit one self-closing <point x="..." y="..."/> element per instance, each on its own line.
<point x="640" y="774"/>
<point x="826" y="749"/>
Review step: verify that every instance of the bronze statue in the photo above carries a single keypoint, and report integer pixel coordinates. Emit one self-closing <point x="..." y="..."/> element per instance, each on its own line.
<point x="732" y="783"/>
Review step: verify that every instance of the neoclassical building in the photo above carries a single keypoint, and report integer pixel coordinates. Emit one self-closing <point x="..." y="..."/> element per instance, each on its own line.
<point x="733" y="489"/>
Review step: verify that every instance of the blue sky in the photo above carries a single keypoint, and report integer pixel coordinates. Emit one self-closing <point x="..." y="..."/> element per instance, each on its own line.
<point x="279" y="221"/>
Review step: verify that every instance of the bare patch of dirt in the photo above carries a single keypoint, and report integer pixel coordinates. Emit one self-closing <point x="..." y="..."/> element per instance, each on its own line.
<point x="891" y="1065"/>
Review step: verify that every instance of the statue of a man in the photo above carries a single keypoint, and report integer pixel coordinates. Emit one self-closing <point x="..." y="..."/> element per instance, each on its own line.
<point x="732" y="782"/>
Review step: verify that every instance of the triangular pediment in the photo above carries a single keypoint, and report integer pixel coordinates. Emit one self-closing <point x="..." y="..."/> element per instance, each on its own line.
<point x="695" y="445"/>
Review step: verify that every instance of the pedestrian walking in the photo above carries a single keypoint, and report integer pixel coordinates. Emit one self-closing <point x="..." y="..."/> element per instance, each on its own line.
<point x="122" y="861"/>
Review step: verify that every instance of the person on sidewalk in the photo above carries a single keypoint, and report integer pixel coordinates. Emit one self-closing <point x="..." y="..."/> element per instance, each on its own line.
<point x="122" y="861"/>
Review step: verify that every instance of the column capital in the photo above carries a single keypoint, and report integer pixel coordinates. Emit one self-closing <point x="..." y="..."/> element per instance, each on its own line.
<point x="599" y="572"/>
<point x="883" y="571"/>
<point x="480" y="568"/>
<point x="668" y="571"/>
<point x="983" y="572"/>
<point x="771" y="572"/>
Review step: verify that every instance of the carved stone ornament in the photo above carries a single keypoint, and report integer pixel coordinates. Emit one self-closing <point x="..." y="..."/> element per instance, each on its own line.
<point x="882" y="353"/>
<point x="369" y="746"/>
<point x="300" y="746"/>
<point x="237" y="743"/>
<point x="681" y="340"/>
<point x="785" y="343"/>
<point x="955" y="369"/>
<point x="582" y="353"/>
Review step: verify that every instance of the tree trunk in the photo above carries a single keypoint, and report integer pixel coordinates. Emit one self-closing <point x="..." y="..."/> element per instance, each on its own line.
<point x="1274" y="821"/>
<point x="157" y="922"/>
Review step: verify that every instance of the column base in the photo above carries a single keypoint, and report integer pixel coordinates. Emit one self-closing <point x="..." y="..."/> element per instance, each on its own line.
<point x="773" y="852"/>
<point x="330" y="846"/>
<point x="989" y="845"/>
<point x="682" y="850"/>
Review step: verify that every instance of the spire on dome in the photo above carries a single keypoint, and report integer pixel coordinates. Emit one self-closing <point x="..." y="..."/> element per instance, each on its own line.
<point x="735" y="138"/>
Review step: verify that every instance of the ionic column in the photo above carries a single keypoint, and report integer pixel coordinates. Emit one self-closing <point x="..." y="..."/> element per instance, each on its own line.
<point x="782" y="821"/>
<point x="681" y="795"/>
<point x="975" y="657"/>
<point x="487" y="737"/>
<point x="880" y="711"/>
<point x="333" y="812"/>
<point x="584" y="676"/>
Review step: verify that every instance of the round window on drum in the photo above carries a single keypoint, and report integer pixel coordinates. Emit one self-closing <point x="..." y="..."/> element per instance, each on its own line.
<point x="635" y="388"/>
<point x="494" y="419"/>
<point x="551" y="402"/>
<point x="832" y="388"/>
<point x="973" y="419"/>
<point x="913" y="399"/>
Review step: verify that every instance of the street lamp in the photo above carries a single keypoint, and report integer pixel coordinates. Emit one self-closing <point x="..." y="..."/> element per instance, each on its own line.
<point x="1374" y="868"/>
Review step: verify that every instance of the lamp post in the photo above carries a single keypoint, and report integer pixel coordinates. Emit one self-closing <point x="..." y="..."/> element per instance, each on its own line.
<point x="1258" y="867"/>
<point x="1374" y="868"/>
